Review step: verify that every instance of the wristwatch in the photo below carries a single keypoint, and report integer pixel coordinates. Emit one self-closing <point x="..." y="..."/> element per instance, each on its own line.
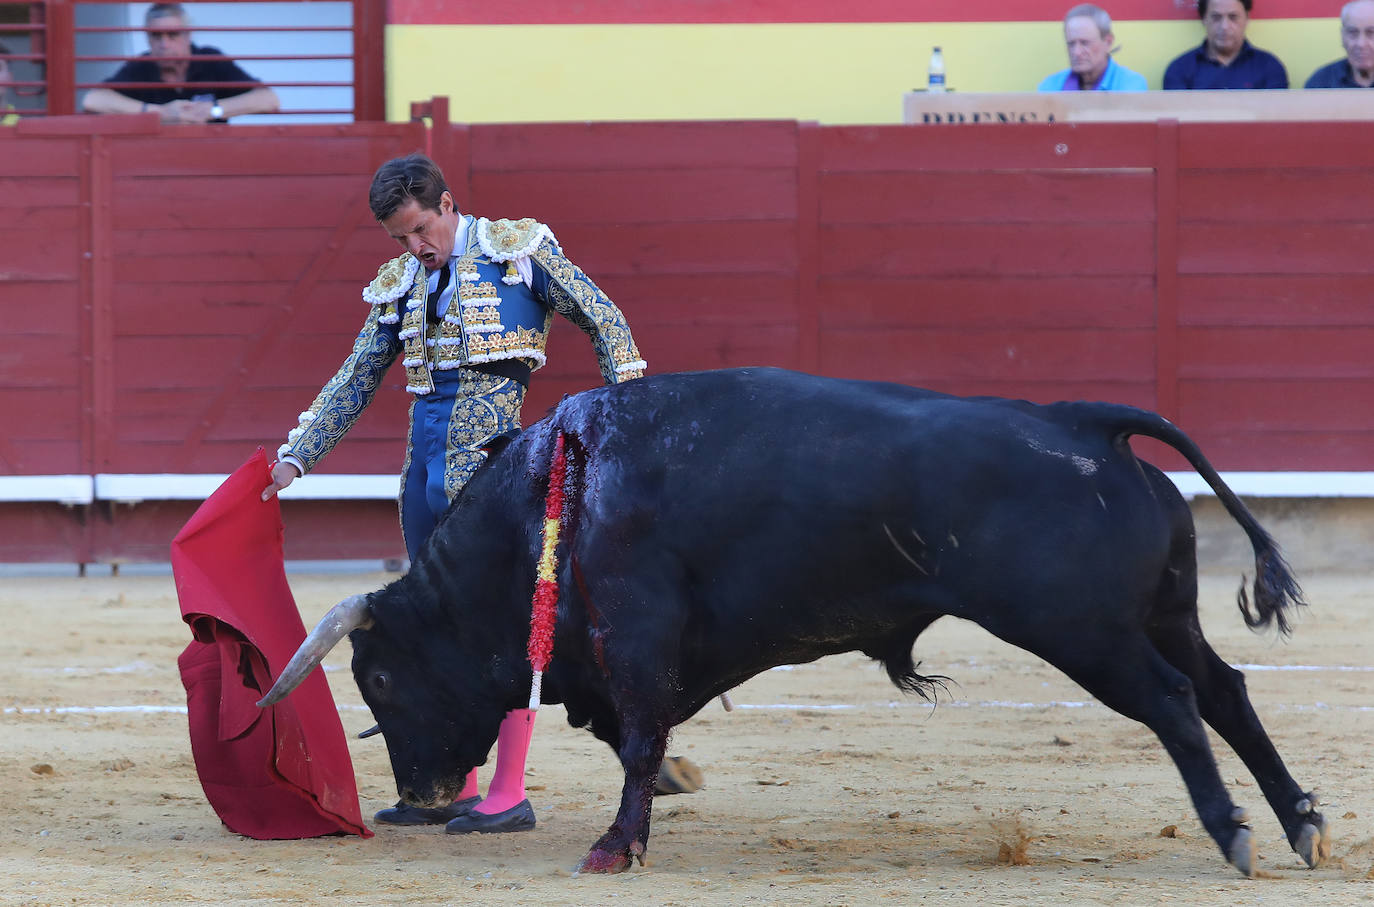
<point x="217" y="112"/>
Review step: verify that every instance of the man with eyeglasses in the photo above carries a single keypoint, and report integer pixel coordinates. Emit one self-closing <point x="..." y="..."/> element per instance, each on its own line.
<point x="169" y="35"/>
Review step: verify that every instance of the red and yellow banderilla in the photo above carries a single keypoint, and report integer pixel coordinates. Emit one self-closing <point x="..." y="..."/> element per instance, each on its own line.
<point x="544" y="608"/>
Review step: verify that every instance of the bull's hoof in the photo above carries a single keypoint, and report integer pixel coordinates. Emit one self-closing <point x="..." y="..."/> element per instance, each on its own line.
<point x="1241" y="853"/>
<point x="604" y="861"/>
<point x="679" y="775"/>
<point x="1314" y="842"/>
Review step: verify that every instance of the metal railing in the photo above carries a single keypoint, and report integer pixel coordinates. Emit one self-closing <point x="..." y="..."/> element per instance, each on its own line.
<point x="51" y="60"/>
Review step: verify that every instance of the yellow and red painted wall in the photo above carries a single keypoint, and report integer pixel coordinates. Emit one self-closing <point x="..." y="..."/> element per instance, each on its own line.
<point x="834" y="62"/>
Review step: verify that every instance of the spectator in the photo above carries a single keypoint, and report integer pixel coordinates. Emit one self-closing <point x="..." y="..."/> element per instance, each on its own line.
<point x="1357" y="37"/>
<point x="169" y="35"/>
<point x="1088" y="36"/>
<point x="7" y="115"/>
<point x="1225" y="59"/>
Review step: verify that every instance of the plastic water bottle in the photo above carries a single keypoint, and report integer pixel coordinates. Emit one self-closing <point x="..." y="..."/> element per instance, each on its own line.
<point x="935" y="75"/>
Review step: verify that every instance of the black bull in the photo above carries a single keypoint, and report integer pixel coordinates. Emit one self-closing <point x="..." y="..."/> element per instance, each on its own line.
<point x="722" y="523"/>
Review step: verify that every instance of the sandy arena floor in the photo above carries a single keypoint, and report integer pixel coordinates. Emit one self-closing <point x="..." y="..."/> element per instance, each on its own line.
<point x="825" y="786"/>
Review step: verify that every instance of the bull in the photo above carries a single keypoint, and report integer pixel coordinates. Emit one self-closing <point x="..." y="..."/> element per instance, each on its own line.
<point x="718" y="524"/>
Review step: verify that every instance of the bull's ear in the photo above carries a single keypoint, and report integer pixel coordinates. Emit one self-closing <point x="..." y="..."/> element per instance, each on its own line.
<point x="353" y="613"/>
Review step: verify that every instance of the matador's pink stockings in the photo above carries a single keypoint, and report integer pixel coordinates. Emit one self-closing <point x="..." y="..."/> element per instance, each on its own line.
<point x="508" y="781"/>
<point x="469" y="787"/>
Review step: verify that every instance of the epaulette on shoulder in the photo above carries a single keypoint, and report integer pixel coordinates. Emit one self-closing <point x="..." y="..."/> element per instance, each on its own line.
<point x="506" y="240"/>
<point x="393" y="280"/>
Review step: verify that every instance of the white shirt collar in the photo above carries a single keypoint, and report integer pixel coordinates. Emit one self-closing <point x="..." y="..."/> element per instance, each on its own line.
<point x="460" y="237"/>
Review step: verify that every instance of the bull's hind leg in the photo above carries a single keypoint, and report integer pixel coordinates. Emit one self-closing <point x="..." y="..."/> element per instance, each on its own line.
<point x="1125" y="672"/>
<point x="1223" y="703"/>
<point x="1173" y="627"/>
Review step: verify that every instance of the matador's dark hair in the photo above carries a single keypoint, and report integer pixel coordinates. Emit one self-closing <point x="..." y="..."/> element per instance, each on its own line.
<point x="400" y="179"/>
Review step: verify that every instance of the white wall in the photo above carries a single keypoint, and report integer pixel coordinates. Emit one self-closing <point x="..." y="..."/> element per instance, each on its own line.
<point x="204" y="18"/>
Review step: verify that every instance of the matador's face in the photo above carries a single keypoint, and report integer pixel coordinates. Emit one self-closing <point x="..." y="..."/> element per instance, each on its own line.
<point x="426" y="233"/>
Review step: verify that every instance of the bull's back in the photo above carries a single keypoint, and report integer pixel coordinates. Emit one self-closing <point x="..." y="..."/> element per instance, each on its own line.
<point x="699" y="418"/>
<point x="747" y="434"/>
<point x="794" y="488"/>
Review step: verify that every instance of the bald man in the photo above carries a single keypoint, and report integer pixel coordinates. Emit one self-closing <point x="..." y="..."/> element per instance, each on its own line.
<point x="1357" y="37"/>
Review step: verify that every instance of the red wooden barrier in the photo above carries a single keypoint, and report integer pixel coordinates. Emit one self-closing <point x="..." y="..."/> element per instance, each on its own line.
<point x="42" y="183"/>
<point x="179" y="295"/>
<point x="1275" y="326"/>
<point x="692" y="227"/>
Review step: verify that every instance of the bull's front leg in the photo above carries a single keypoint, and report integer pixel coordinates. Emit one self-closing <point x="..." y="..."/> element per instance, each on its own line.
<point x="641" y="753"/>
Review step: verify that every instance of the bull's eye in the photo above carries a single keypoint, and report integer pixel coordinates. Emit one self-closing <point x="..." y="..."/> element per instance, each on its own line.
<point x="381" y="683"/>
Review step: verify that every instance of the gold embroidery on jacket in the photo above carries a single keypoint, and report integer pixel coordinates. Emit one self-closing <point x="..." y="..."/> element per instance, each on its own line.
<point x="573" y="295"/>
<point x="484" y="406"/>
<point x="392" y="280"/>
<point x="416" y="344"/>
<point x="479" y="305"/>
<point x="504" y="240"/>
<point x="343" y="398"/>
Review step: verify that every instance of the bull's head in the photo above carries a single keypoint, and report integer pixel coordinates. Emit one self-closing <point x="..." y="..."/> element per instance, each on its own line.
<point x="438" y="702"/>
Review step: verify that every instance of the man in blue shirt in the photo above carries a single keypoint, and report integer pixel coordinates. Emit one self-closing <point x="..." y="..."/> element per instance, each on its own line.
<point x="1225" y="59"/>
<point x="1088" y="37"/>
<point x="1357" y="36"/>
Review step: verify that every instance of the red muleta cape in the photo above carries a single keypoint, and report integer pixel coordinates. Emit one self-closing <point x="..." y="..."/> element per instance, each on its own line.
<point x="280" y="772"/>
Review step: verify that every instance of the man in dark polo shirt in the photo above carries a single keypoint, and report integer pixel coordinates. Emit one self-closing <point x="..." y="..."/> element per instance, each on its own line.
<point x="1225" y="59"/>
<point x="169" y="35"/>
<point x="1357" y="36"/>
<point x="7" y="115"/>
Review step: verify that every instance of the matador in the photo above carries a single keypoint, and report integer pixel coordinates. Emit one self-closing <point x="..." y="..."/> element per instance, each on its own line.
<point x="468" y="308"/>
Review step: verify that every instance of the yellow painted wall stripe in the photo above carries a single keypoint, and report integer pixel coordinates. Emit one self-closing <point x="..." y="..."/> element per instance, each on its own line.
<point x="833" y="73"/>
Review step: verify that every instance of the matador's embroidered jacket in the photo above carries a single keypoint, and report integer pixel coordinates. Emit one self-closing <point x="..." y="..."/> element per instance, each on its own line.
<point x="510" y="279"/>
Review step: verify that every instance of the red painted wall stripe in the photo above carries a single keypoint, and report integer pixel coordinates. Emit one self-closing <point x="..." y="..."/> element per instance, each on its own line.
<point x="700" y="12"/>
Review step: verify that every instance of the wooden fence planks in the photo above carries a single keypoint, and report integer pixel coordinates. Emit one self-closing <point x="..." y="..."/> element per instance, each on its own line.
<point x="180" y="297"/>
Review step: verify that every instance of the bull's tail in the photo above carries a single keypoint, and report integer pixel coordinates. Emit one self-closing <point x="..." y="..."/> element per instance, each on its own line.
<point x="1276" y="592"/>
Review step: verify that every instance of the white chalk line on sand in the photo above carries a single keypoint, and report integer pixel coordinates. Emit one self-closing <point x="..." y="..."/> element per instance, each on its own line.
<point x="744" y="706"/>
<point x="135" y="667"/>
<point x="741" y="706"/>
<point x="1350" y="669"/>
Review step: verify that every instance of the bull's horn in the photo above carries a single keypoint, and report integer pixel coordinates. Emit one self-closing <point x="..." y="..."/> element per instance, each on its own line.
<point x="350" y="614"/>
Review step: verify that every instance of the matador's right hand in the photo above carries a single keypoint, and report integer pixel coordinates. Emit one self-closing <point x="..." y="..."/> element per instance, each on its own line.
<point x="283" y="474"/>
